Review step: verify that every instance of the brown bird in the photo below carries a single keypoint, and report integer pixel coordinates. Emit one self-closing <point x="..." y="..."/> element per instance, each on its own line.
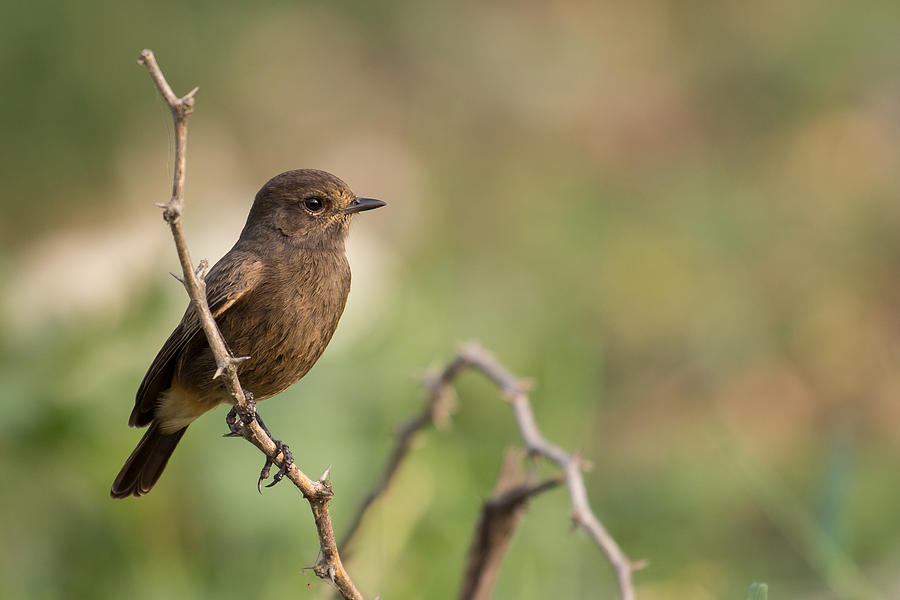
<point x="277" y="296"/>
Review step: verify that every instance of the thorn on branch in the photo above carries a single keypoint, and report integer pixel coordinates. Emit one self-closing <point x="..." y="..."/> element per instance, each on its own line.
<point x="220" y="369"/>
<point x="186" y="105"/>
<point x="640" y="564"/>
<point x="180" y="278"/>
<point x="230" y="362"/>
<point x="171" y="210"/>
<point x="325" y="571"/>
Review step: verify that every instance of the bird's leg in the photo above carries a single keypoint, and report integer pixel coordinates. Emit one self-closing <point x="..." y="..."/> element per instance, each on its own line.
<point x="259" y="422"/>
<point x="286" y="462"/>
<point x="236" y="425"/>
<point x="287" y="459"/>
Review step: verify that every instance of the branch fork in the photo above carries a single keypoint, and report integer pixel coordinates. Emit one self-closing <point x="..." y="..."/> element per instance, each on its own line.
<point x="439" y="401"/>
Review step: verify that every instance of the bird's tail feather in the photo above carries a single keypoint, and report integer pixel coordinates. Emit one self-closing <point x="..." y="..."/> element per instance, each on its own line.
<point x="146" y="463"/>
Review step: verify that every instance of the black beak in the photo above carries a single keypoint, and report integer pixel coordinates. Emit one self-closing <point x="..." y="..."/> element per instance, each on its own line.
<point x="361" y="204"/>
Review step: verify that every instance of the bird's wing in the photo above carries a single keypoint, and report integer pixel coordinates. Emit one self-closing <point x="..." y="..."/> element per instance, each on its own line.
<point x="230" y="279"/>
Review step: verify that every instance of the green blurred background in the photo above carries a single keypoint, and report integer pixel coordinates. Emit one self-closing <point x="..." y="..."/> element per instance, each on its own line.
<point x="679" y="219"/>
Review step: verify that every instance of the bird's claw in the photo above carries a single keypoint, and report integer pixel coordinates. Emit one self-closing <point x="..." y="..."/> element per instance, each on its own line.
<point x="238" y="421"/>
<point x="235" y="429"/>
<point x="287" y="461"/>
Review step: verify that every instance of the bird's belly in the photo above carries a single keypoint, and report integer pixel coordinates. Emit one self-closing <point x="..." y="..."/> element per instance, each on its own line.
<point x="274" y="372"/>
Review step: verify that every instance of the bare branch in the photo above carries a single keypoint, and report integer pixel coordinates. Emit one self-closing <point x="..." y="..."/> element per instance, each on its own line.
<point x="473" y="356"/>
<point x="582" y="515"/>
<point x="500" y="515"/>
<point x="317" y="492"/>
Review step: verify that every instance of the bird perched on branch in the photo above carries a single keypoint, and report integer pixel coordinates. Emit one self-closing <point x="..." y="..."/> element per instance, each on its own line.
<point x="277" y="296"/>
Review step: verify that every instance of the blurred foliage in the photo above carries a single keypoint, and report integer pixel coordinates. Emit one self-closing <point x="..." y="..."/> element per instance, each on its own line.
<point x="680" y="219"/>
<point x="757" y="591"/>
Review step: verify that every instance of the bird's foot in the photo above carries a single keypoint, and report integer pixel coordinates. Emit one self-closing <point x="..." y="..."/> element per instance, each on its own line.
<point x="231" y="419"/>
<point x="287" y="461"/>
<point x="236" y="421"/>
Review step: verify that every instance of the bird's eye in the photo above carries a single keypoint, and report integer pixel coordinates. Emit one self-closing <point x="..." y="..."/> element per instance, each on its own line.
<point x="314" y="205"/>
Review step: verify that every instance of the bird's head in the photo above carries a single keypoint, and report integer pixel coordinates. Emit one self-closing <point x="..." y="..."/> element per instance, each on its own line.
<point x="312" y="207"/>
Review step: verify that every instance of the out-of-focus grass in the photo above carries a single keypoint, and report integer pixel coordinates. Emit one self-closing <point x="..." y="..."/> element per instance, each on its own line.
<point x="679" y="220"/>
<point x="757" y="591"/>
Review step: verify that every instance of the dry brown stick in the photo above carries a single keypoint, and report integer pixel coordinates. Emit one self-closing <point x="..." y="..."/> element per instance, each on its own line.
<point x="500" y="515"/>
<point x="473" y="356"/>
<point x="317" y="492"/>
<point x="582" y="515"/>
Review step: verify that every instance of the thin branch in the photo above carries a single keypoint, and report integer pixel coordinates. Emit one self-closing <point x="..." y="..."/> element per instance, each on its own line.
<point x="582" y="515"/>
<point x="499" y="518"/>
<point x="317" y="492"/>
<point x="473" y="356"/>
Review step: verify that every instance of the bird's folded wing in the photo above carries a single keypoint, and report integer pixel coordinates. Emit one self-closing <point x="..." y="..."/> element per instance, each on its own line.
<point x="227" y="282"/>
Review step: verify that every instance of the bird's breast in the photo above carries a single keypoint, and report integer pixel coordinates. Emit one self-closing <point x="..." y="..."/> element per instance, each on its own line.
<point x="286" y="323"/>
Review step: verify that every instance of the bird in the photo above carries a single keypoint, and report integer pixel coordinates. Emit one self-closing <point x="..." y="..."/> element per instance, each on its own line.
<point x="276" y="296"/>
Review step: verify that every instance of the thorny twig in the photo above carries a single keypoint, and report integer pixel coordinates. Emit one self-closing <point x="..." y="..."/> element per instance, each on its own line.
<point x="317" y="492"/>
<point x="439" y="402"/>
